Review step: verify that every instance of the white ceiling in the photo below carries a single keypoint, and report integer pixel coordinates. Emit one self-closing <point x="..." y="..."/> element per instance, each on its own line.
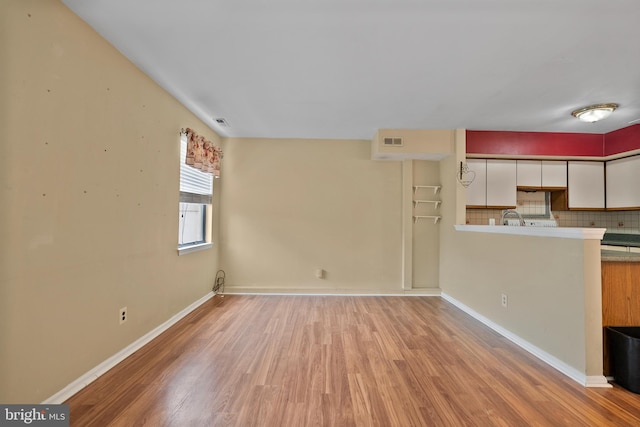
<point x="344" y="68"/>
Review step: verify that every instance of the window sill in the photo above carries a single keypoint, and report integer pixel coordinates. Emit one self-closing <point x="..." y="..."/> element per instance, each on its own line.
<point x="194" y="248"/>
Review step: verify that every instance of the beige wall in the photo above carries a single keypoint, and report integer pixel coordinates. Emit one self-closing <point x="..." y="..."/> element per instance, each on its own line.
<point x="293" y="206"/>
<point x="89" y="194"/>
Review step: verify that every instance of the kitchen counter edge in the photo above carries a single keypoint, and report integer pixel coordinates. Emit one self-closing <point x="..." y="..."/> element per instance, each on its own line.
<point x="558" y="232"/>
<point x="618" y="256"/>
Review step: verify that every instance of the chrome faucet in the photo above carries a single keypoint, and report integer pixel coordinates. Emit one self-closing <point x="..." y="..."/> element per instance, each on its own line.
<point x="508" y="212"/>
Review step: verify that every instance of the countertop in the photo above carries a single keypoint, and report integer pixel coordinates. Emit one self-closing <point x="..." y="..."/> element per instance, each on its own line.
<point x="618" y="239"/>
<point x="629" y="252"/>
<point x="620" y="247"/>
<point x="619" y="256"/>
<point x="560" y="232"/>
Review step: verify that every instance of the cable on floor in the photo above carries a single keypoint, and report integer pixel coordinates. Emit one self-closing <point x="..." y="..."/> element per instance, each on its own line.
<point x="218" y="285"/>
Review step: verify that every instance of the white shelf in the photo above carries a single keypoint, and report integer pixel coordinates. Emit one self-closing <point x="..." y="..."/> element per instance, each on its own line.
<point x="435" y="202"/>
<point x="435" y="218"/>
<point x="435" y="188"/>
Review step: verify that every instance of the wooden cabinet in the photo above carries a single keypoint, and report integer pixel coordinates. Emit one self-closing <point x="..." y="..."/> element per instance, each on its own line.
<point x="586" y="185"/>
<point x="494" y="185"/>
<point x="623" y="176"/>
<point x="477" y="190"/>
<point x="501" y="183"/>
<point x="620" y="298"/>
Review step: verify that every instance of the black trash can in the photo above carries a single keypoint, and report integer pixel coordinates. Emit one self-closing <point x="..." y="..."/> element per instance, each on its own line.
<point x="624" y="352"/>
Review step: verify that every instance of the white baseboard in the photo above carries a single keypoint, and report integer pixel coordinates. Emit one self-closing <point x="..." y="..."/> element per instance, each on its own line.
<point x="554" y="362"/>
<point x="435" y="292"/>
<point x="597" y="381"/>
<point x="90" y="376"/>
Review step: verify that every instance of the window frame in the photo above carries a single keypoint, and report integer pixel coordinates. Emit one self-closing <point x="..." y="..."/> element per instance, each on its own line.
<point x="187" y="182"/>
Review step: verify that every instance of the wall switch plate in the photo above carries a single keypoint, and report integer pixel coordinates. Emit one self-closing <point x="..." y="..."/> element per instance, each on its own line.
<point x="505" y="300"/>
<point x="122" y="315"/>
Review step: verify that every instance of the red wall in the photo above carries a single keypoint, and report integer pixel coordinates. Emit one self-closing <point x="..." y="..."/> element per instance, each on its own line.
<point x="622" y="140"/>
<point x="553" y="143"/>
<point x="535" y="143"/>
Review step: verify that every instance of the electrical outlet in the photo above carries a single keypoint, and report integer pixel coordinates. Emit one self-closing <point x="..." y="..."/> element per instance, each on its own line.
<point x="505" y="300"/>
<point x="122" y="315"/>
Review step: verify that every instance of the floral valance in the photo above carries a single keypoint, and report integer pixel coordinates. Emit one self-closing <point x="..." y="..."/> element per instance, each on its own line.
<point x="203" y="154"/>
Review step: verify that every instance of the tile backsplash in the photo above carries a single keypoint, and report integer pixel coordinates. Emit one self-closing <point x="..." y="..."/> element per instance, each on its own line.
<point x="613" y="221"/>
<point x="534" y="204"/>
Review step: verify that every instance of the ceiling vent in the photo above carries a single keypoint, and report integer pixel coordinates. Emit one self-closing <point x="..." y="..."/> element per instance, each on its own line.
<point x="221" y="122"/>
<point x="393" y="142"/>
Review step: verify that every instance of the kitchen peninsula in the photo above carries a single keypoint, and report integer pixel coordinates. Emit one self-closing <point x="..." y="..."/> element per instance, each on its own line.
<point x="559" y="283"/>
<point x="538" y="286"/>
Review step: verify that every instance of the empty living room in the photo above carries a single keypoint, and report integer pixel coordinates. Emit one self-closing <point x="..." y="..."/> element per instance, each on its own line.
<point x="264" y="214"/>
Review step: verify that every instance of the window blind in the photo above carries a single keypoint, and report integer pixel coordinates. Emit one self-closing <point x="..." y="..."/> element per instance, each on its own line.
<point x="195" y="186"/>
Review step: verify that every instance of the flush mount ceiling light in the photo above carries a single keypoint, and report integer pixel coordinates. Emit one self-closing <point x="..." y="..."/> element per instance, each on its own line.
<point x="593" y="113"/>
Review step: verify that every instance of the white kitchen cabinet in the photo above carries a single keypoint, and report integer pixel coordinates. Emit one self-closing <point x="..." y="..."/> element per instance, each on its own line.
<point x="554" y="173"/>
<point x="623" y="176"/>
<point x="501" y="183"/>
<point x="529" y="173"/>
<point x="586" y="185"/>
<point x="494" y="185"/>
<point x="477" y="190"/>
<point x="541" y="173"/>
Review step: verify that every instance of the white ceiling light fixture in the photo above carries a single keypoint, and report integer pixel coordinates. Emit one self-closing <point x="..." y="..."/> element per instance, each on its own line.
<point x="596" y="112"/>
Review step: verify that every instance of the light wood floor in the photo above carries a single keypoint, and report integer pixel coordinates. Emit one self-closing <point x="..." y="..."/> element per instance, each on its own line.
<point x="340" y="361"/>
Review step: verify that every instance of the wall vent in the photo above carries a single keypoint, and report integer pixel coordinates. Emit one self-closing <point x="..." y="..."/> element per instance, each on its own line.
<point x="395" y="142"/>
<point x="222" y="122"/>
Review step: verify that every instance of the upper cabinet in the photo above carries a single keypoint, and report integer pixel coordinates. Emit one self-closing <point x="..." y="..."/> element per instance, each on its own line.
<point x="501" y="183"/>
<point x="529" y="173"/>
<point x="622" y="178"/>
<point x="586" y="185"/>
<point x="477" y="190"/>
<point x="574" y="185"/>
<point x="554" y="173"/>
<point x="494" y="185"/>
<point x="541" y="173"/>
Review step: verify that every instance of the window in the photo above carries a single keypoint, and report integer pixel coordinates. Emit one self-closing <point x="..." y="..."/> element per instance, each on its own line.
<point x="194" y="210"/>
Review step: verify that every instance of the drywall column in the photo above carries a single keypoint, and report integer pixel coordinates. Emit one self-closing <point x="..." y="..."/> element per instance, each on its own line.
<point x="461" y="192"/>
<point x="426" y="231"/>
<point x="593" y="313"/>
<point x="407" y="224"/>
